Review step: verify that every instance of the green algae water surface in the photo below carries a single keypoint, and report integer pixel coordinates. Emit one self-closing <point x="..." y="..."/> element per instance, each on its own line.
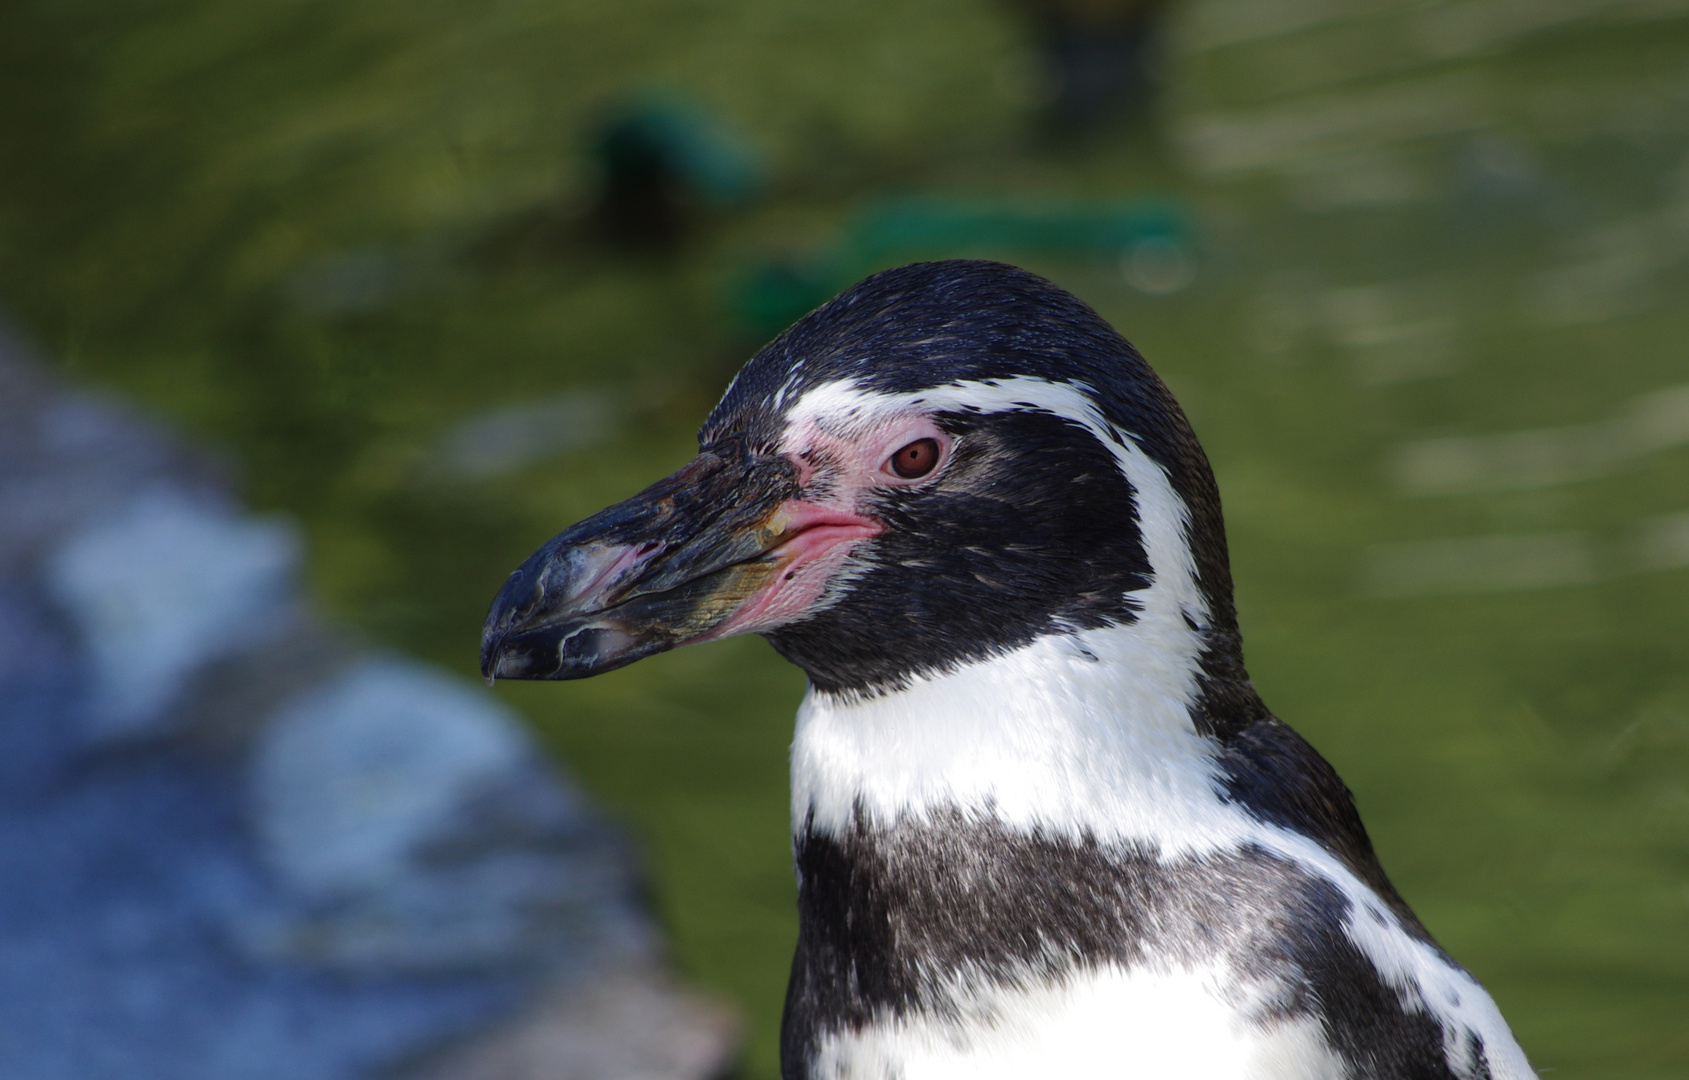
<point x="1430" y="328"/>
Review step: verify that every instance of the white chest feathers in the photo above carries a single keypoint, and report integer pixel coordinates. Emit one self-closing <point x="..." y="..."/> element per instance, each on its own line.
<point x="1067" y="887"/>
<point x="1110" y="1024"/>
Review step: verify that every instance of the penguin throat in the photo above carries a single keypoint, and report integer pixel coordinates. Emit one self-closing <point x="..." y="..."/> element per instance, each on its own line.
<point x="1087" y="734"/>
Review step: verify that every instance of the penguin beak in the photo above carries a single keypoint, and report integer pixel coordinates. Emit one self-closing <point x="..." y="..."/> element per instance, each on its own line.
<point x="699" y="555"/>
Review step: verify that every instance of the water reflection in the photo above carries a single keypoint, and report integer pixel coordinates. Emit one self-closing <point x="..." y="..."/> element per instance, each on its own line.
<point x="1647" y="425"/>
<point x="509" y="439"/>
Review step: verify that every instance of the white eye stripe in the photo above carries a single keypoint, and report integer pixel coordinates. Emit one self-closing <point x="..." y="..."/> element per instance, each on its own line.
<point x="843" y="403"/>
<point x="846" y="408"/>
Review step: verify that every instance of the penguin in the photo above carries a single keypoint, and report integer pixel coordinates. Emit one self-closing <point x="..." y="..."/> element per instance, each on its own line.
<point x="1043" y="824"/>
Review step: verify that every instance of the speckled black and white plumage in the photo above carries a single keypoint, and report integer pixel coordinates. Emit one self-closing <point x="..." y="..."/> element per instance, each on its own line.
<point x="935" y="903"/>
<point x="1043" y="824"/>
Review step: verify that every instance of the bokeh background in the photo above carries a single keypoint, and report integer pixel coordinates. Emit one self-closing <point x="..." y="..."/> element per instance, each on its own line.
<point x="442" y="277"/>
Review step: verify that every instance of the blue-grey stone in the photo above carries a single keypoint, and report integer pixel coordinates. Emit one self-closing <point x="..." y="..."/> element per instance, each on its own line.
<point x="352" y="778"/>
<point x="413" y="827"/>
<point x="114" y="962"/>
<point x="38" y="696"/>
<point x="159" y="587"/>
<point x="234" y="846"/>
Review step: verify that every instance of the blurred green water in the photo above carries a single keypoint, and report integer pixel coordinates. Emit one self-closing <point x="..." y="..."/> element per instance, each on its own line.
<point x="1425" y="226"/>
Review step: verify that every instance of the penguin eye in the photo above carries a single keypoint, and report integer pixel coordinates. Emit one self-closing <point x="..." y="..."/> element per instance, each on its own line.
<point x="915" y="460"/>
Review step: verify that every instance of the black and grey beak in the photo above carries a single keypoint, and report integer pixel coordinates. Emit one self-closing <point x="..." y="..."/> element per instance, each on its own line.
<point x="663" y="568"/>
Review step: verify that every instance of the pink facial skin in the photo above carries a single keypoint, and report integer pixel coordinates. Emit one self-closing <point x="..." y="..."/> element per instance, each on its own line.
<point x="838" y="472"/>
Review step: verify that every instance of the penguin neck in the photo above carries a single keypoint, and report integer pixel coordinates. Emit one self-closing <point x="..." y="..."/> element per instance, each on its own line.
<point x="1085" y="736"/>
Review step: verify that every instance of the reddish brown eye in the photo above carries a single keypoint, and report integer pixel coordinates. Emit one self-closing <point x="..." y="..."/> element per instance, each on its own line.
<point x="915" y="460"/>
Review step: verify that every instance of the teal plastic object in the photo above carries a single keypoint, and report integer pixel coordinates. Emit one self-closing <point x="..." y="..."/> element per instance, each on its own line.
<point x="773" y="295"/>
<point x="685" y="143"/>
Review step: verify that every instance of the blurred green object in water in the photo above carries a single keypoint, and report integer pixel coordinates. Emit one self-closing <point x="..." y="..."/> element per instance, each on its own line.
<point x="659" y="164"/>
<point x="770" y="297"/>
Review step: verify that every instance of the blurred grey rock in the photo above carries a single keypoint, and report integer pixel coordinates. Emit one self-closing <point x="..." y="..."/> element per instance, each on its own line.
<point x="235" y="845"/>
<point x="161" y="586"/>
<point x="353" y="778"/>
<point x="412" y="818"/>
<point x="630" y="1026"/>
<point x="67" y="458"/>
<point x="37" y="676"/>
